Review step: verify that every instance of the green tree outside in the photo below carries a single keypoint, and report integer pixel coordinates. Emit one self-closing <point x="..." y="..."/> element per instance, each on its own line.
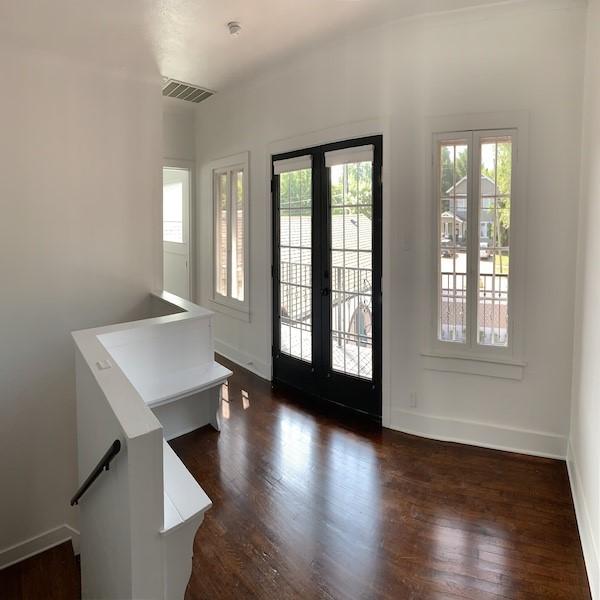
<point x="503" y="177"/>
<point x="351" y="186"/>
<point x="452" y="171"/>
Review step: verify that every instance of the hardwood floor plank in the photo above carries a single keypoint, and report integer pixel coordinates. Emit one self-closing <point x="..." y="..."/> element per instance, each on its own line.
<point x="50" y="575"/>
<point x="312" y="503"/>
<point x="309" y="502"/>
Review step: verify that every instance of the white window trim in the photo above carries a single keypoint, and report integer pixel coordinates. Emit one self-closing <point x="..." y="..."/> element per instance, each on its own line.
<point x="225" y="304"/>
<point x="474" y="358"/>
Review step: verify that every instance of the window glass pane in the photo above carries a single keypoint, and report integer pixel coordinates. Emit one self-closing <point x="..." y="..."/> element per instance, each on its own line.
<point x="172" y="209"/>
<point x="221" y="231"/>
<point x="237" y="235"/>
<point x="295" y="258"/>
<point x="494" y="240"/>
<point x="453" y="221"/>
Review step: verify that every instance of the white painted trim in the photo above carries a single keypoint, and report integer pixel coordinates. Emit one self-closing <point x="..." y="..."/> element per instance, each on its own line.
<point x="449" y="127"/>
<point x="39" y="543"/>
<point x="225" y="309"/>
<point x="475" y="358"/>
<point x="379" y="126"/>
<point x="523" y="441"/>
<point x="247" y="361"/>
<point x="584" y="524"/>
<point x="288" y="165"/>
<point x="473" y="365"/>
<point x="349" y="155"/>
<point x="229" y="163"/>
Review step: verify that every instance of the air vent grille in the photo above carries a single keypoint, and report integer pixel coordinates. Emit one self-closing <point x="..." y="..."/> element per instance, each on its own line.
<point x="185" y="91"/>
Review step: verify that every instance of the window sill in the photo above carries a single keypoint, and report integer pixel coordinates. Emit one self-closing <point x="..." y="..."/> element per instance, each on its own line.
<point x="243" y="314"/>
<point x="499" y="367"/>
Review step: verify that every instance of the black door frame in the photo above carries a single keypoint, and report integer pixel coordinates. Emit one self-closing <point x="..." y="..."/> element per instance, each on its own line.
<point x="318" y="379"/>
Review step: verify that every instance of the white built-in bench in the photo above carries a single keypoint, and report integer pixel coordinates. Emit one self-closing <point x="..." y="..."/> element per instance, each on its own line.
<point x="184" y="506"/>
<point x="143" y="383"/>
<point x="173" y="369"/>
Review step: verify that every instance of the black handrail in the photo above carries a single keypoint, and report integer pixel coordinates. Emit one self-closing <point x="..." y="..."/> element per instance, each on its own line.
<point x="101" y="466"/>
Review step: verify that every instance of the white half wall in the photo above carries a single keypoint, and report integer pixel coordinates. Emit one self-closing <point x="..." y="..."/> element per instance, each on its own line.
<point x="584" y="454"/>
<point x="80" y="183"/>
<point x="404" y="74"/>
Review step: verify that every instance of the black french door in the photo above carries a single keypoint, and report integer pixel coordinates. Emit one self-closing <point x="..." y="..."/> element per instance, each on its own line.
<point x="327" y="245"/>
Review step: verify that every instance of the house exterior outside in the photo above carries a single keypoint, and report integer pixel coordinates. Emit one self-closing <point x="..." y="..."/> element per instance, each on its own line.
<point x="492" y="315"/>
<point x="454" y="222"/>
<point x="351" y="290"/>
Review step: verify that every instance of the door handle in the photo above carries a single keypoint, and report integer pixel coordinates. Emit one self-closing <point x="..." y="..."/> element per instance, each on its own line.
<point x="325" y="292"/>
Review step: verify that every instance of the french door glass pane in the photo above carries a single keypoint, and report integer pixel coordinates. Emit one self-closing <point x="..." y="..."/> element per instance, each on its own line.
<point x="295" y="248"/>
<point x="221" y="226"/>
<point x="351" y="268"/>
<point x="453" y="221"/>
<point x="494" y="240"/>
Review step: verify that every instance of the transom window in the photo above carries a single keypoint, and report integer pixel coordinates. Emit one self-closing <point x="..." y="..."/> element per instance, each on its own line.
<point x="473" y="182"/>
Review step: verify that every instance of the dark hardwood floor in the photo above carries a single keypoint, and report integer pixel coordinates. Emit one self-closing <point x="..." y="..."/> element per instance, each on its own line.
<point x="309" y="504"/>
<point x="51" y="575"/>
<point x="314" y="505"/>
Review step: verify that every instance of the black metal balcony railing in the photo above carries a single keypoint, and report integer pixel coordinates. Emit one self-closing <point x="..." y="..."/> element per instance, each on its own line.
<point x="347" y="283"/>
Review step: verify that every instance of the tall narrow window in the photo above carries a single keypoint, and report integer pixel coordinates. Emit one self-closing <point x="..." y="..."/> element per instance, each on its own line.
<point x="230" y="234"/>
<point x="237" y="235"/>
<point x="176" y="229"/>
<point x="473" y="173"/>
<point x="221" y="232"/>
<point x="494" y="240"/>
<point x="453" y="220"/>
<point x="173" y="200"/>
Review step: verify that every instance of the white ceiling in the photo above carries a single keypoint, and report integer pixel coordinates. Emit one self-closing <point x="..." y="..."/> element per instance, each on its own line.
<point x="188" y="39"/>
<point x="193" y="43"/>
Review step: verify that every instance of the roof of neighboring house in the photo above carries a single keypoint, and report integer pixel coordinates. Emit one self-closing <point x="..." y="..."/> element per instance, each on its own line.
<point x="459" y="190"/>
<point x="488" y="187"/>
<point x="449" y="215"/>
<point x="348" y="232"/>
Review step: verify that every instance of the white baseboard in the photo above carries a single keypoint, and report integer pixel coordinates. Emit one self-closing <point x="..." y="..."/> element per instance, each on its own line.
<point x="536" y="443"/>
<point x="584" y="524"/>
<point x="36" y="544"/>
<point x="258" y="367"/>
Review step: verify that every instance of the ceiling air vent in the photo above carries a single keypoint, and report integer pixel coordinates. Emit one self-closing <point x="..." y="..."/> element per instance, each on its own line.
<point x="185" y="91"/>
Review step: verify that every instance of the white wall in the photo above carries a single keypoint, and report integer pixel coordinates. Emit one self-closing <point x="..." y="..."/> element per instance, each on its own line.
<point x="518" y="57"/>
<point x="80" y="188"/>
<point x="179" y="140"/>
<point x="584" y="451"/>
